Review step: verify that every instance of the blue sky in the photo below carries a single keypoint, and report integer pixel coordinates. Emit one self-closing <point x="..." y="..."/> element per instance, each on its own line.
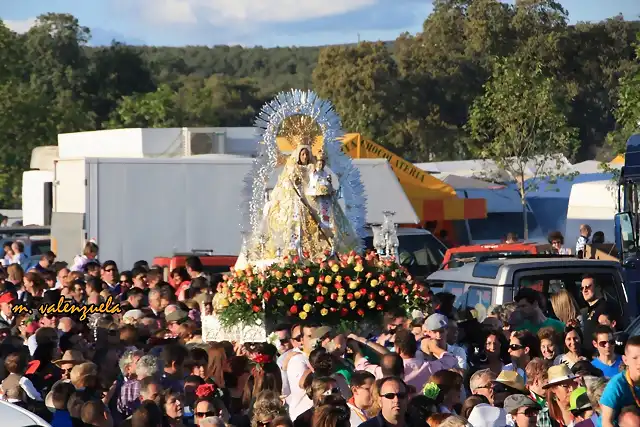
<point x="259" y="22"/>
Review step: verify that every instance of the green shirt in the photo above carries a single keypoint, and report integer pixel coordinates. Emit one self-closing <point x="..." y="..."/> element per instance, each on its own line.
<point x="533" y="328"/>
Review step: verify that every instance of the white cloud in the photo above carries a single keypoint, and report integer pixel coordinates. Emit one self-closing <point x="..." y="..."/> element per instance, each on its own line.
<point x="246" y="12"/>
<point x="20" y="26"/>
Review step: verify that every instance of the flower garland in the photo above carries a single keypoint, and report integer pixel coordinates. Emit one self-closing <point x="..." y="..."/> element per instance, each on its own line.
<point x="332" y="290"/>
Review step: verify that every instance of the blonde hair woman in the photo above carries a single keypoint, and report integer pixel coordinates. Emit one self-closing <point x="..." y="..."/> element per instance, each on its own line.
<point x="566" y="308"/>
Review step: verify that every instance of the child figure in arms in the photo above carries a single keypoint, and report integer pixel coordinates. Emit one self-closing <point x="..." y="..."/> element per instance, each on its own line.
<point x="320" y="191"/>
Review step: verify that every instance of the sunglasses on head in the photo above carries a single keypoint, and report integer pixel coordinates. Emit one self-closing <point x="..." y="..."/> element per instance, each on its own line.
<point x="205" y="414"/>
<point x="391" y="396"/>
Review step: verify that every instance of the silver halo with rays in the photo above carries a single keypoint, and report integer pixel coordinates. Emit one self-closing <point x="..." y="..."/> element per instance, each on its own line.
<point x="268" y="124"/>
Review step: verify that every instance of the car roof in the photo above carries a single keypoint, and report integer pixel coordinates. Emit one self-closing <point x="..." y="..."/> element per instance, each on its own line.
<point x="491" y="272"/>
<point x="15" y="416"/>
<point x="498" y="247"/>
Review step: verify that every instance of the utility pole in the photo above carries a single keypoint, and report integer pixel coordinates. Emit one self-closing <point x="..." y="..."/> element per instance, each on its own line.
<point x="358" y="38"/>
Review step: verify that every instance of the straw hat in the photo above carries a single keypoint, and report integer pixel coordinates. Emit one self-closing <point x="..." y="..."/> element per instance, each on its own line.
<point x="559" y="374"/>
<point x="70" y="357"/>
<point x="511" y="379"/>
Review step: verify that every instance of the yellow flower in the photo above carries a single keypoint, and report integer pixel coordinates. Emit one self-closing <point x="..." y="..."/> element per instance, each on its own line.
<point x="307" y="307"/>
<point x="341" y="292"/>
<point x="324" y="290"/>
<point x="290" y="288"/>
<point x="324" y="312"/>
<point x="340" y="300"/>
<point x="338" y="278"/>
<point x="352" y="304"/>
<point x="223" y="303"/>
<point x="358" y="268"/>
<point x="299" y="273"/>
<point x="278" y="274"/>
<point x="350" y="260"/>
<point x="297" y="296"/>
<point x="328" y="279"/>
<point x="357" y="295"/>
<point x="335" y="268"/>
<point x="371" y="304"/>
<point x="353" y="285"/>
<point x="303" y="315"/>
<point x="374" y="283"/>
<point x="311" y="281"/>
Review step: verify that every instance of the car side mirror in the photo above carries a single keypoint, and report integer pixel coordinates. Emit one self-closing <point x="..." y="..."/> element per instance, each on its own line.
<point x="625" y="234"/>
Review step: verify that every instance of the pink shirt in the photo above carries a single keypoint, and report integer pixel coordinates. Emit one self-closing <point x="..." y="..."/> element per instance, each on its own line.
<point x="416" y="371"/>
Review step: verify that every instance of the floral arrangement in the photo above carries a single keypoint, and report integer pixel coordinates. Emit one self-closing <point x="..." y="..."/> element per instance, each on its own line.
<point x="333" y="290"/>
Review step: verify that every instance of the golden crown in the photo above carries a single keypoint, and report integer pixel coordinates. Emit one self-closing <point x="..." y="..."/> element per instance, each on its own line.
<point x="300" y="129"/>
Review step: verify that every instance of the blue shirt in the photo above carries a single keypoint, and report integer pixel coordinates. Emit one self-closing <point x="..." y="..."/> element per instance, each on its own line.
<point x="608" y="371"/>
<point x="617" y="394"/>
<point x="61" y="419"/>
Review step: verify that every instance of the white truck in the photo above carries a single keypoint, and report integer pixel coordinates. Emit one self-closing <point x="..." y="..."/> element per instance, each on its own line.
<point x="140" y="208"/>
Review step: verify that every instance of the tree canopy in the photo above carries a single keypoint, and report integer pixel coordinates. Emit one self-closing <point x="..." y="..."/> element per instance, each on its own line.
<point x="415" y="95"/>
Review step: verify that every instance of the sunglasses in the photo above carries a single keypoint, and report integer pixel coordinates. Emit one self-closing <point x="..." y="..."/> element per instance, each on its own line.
<point x="391" y="396"/>
<point x="586" y="288"/>
<point x="205" y="414"/>
<point x="487" y="386"/>
<point x="263" y="423"/>
<point x="334" y="390"/>
<point x="298" y="338"/>
<point x="603" y="344"/>
<point x="284" y="341"/>
<point x="500" y="388"/>
<point x="529" y="412"/>
<point x="515" y="347"/>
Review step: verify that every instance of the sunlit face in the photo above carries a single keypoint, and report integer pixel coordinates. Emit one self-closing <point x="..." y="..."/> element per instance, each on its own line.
<point x="548" y="349"/>
<point x="631" y="359"/>
<point x="588" y="290"/>
<point x="492" y="345"/>
<point x="563" y="391"/>
<point x="363" y="396"/>
<point x="573" y="342"/>
<point x="304" y="156"/>
<point x="517" y="351"/>
<point x="173" y="407"/>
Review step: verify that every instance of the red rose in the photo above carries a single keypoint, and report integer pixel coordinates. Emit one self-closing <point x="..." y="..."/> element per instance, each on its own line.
<point x="379" y="307"/>
<point x="337" y="285"/>
<point x="255" y="309"/>
<point x="267" y="296"/>
<point x="343" y="312"/>
<point x="285" y="291"/>
<point x="347" y="279"/>
<point x="293" y="309"/>
<point x="387" y="298"/>
<point x="382" y="278"/>
<point x="372" y="295"/>
<point x="320" y="299"/>
<point x="363" y="291"/>
<point x="299" y="281"/>
<point x="333" y="296"/>
<point x="361" y="312"/>
<point x="349" y="296"/>
<point x="296" y="259"/>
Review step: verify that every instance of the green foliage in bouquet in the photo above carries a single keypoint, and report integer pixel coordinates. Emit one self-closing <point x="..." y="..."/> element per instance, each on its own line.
<point x="339" y="290"/>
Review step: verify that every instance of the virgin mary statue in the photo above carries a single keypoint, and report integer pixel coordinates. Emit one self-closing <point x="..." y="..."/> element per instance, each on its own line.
<point x="295" y="222"/>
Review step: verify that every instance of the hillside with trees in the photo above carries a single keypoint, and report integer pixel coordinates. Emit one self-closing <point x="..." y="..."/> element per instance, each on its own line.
<point x="424" y="96"/>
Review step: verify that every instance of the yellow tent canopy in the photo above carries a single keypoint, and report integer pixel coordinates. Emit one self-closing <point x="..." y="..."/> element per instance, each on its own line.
<point x="619" y="160"/>
<point x="432" y="199"/>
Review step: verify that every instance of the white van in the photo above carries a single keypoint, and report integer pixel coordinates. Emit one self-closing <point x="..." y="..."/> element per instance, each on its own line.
<point x="594" y="203"/>
<point x="16" y="416"/>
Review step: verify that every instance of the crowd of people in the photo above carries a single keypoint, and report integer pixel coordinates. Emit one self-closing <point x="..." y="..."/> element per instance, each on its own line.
<point x="539" y="361"/>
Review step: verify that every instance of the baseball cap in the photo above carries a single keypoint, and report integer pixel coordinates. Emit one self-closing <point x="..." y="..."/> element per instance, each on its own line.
<point x="516" y="401"/>
<point x="579" y="400"/>
<point x="436" y="322"/>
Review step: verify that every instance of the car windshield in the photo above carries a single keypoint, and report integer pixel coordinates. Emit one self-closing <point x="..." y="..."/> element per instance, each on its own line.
<point x="468" y="296"/>
<point x="550" y="284"/>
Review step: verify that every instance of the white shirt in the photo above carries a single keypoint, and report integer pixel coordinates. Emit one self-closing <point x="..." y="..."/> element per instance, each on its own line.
<point x="460" y="354"/>
<point x="357" y="416"/>
<point x="285" y="380"/>
<point x="297" y="399"/>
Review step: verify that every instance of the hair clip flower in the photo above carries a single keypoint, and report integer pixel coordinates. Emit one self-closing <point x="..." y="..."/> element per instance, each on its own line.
<point x="261" y="359"/>
<point x="206" y="390"/>
<point x="431" y="390"/>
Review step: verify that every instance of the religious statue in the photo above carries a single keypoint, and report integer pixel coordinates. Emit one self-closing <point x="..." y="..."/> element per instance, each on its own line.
<point x="302" y="215"/>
